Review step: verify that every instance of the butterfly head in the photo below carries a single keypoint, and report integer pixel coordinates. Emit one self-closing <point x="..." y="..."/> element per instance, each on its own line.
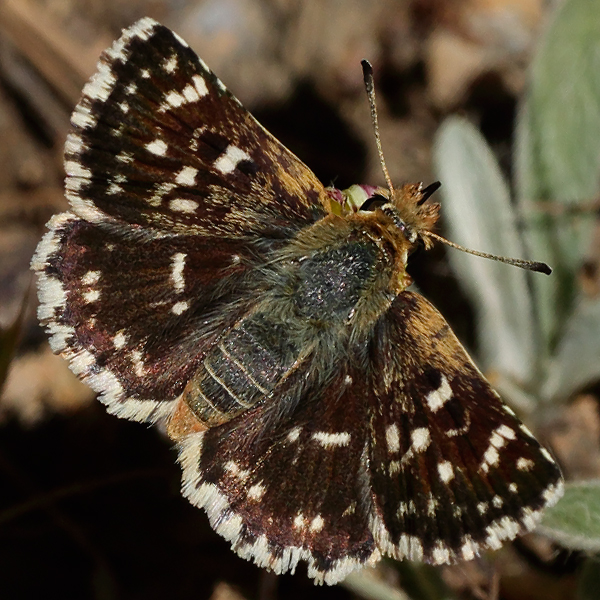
<point x="411" y="213"/>
<point x="406" y="207"/>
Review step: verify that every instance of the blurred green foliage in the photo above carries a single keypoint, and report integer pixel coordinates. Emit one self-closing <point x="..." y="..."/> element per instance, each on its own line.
<point x="541" y="335"/>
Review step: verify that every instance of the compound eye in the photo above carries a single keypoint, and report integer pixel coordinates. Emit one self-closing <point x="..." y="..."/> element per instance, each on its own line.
<point x="375" y="201"/>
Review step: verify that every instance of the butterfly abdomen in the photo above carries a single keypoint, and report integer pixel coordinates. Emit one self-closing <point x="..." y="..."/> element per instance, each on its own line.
<point x="243" y="368"/>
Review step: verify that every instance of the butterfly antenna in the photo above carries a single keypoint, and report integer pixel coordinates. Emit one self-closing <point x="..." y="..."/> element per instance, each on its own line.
<point x="370" y="87"/>
<point x="529" y="265"/>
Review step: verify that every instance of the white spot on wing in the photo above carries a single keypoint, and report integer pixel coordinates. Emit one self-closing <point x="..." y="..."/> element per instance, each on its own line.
<point x="432" y="505"/>
<point x="294" y="434"/>
<point x="187" y="176"/>
<point x="256" y="492"/>
<point x="170" y="64"/>
<point x="330" y="440"/>
<point x="85" y="208"/>
<point x="441" y="554"/>
<point x="200" y="85"/>
<point x="160" y="191"/>
<point x="91" y="277"/>
<point x="82" y="117"/>
<point x="229" y="160"/>
<point x="52" y="296"/>
<point x="524" y="464"/>
<point x="446" y="471"/>
<point x="506" y="432"/>
<point x="299" y="521"/>
<point x="91" y="296"/>
<point x="60" y="337"/>
<point x="118" y="132"/>
<point x="421" y="438"/>
<point x="554" y="493"/>
<point x="491" y="457"/>
<point x="139" y="367"/>
<point x="505" y="528"/>
<point x="190" y="93"/>
<point x="392" y="438"/>
<point x="177" y="267"/>
<point x="469" y="548"/>
<point x="180" y="307"/>
<point x="183" y="206"/>
<point x="82" y="362"/>
<point x="439" y="397"/>
<point x="74" y="144"/>
<point x="120" y="340"/>
<point x="51" y="241"/>
<point x="124" y="157"/>
<point x="499" y="438"/>
<point x="101" y="84"/>
<point x="235" y="471"/>
<point x="157" y="147"/>
<point x="172" y="100"/>
<point x="317" y="524"/>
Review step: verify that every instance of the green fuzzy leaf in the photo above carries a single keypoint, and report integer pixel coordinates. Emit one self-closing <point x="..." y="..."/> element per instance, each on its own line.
<point x="577" y="359"/>
<point x="558" y="151"/>
<point x="575" y="521"/>
<point x="477" y="210"/>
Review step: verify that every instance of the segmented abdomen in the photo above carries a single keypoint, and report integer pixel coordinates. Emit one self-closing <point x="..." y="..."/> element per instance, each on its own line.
<point x="243" y="368"/>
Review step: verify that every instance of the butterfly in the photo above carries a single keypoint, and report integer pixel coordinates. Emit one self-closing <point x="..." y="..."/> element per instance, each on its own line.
<point x="205" y="279"/>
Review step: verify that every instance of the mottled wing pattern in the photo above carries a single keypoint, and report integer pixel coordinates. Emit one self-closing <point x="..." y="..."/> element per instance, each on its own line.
<point x="134" y="317"/>
<point x="291" y="489"/>
<point x="159" y="142"/>
<point x="406" y="452"/>
<point x="176" y="192"/>
<point x="452" y="470"/>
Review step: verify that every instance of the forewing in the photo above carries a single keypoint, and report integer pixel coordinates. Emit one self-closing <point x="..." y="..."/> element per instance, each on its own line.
<point x="291" y="488"/>
<point x="452" y="470"/>
<point x="159" y="142"/>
